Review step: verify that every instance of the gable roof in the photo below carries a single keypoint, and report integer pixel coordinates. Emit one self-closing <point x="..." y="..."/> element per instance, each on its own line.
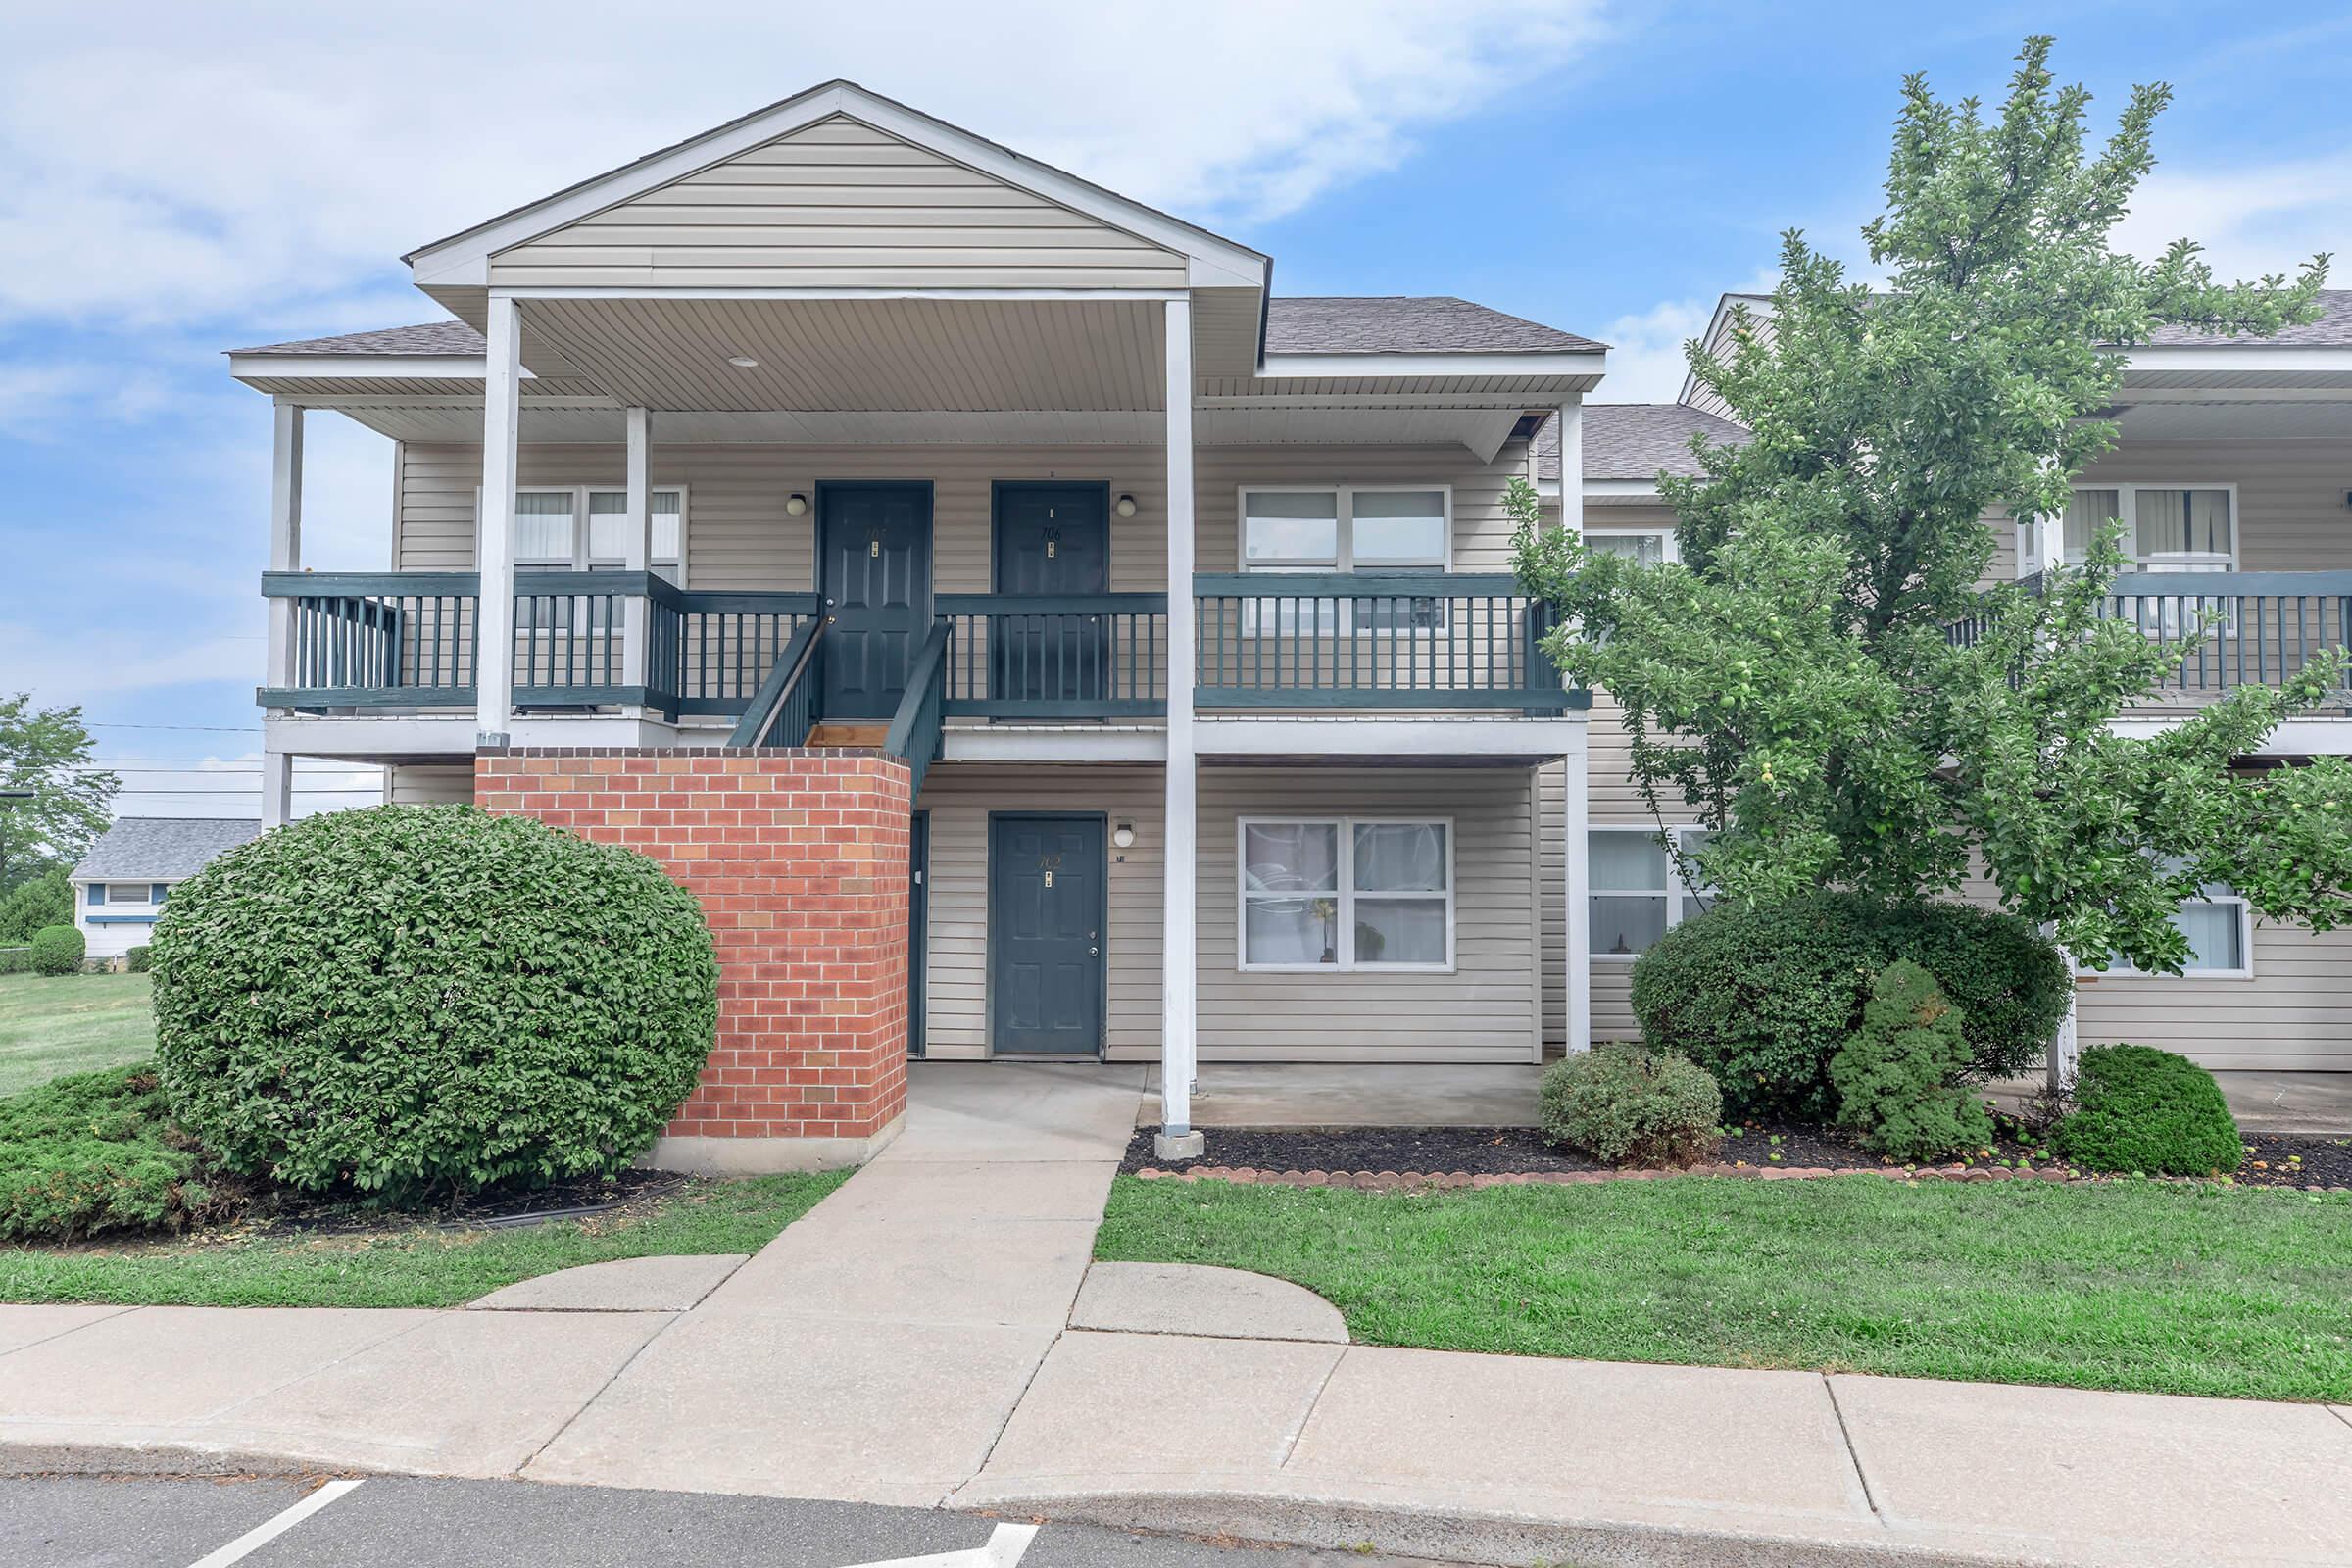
<point x="162" y="849"/>
<point x="1406" y="323"/>
<point x="2331" y="331"/>
<point x="1377" y="323"/>
<point x="1638" y="440"/>
<point x="451" y="256"/>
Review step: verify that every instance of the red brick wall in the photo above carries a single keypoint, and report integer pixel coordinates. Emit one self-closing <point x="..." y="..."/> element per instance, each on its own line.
<point x="799" y="858"/>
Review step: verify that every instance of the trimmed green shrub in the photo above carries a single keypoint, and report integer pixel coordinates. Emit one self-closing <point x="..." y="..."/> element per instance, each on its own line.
<point x="1629" y="1105"/>
<point x="139" y="960"/>
<point x="96" y="1152"/>
<point x="410" y="1000"/>
<point x="2147" y="1111"/>
<point x="1764" y="998"/>
<point x="16" y="961"/>
<point x="36" y="902"/>
<point x="57" y="950"/>
<point x="1898" y="1077"/>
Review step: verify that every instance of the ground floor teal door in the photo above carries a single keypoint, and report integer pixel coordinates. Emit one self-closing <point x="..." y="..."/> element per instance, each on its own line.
<point x="1045" y="920"/>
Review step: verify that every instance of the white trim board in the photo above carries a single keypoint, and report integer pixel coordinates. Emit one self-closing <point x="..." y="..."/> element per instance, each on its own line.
<point x="1352" y="366"/>
<point x="1309" y="736"/>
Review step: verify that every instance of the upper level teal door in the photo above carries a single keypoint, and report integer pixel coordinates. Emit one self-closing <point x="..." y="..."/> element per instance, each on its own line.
<point x="1052" y="539"/>
<point x="873" y="542"/>
<point x="1046" y="908"/>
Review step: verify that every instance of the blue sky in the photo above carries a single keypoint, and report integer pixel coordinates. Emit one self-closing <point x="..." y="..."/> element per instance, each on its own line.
<point x="201" y="179"/>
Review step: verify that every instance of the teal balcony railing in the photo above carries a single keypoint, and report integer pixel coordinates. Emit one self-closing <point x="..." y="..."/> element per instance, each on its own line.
<point x="1075" y="656"/>
<point x="1428" y="640"/>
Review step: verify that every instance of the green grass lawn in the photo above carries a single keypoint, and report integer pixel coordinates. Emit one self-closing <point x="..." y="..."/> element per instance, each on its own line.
<point x="420" y="1267"/>
<point x="53" y="1025"/>
<point x="2172" y="1288"/>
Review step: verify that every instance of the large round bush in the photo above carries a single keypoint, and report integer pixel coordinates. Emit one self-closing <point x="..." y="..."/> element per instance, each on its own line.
<point x="57" y="950"/>
<point x="2137" y="1108"/>
<point x="1764" y="998"/>
<point x="413" y="1000"/>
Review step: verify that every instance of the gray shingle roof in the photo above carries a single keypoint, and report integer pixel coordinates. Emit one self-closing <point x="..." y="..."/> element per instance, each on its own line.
<point x="432" y="338"/>
<point x="1637" y="440"/>
<point x="2333" y="330"/>
<point x="1398" y="324"/>
<point x="163" y="849"/>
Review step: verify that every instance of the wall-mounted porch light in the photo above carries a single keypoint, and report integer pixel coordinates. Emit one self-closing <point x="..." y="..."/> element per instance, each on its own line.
<point x="1124" y="506"/>
<point x="1123" y="835"/>
<point x="795" y="504"/>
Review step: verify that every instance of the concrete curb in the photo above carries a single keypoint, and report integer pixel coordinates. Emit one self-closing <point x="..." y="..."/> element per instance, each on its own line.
<point x="1454" y="1534"/>
<point x="1385" y="1180"/>
<point x="20" y="1459"/>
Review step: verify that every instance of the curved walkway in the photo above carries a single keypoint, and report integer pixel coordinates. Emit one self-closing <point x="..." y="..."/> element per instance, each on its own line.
<point x="931" y="1334"/>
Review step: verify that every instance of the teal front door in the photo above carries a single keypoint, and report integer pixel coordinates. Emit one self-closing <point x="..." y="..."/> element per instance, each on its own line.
<point x="874" y="543"/>
<point x="1045" y="920"/>
<point x="1053" y="541"/>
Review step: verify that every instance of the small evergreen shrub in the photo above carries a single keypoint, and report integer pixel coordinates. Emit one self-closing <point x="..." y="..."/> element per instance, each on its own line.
<point x="1764" y="998"/>
<point x="57" y="950"/>
<point x="139" y="960"/>
<point x="16" y="961"/>
<point x="1628" y="1104"/>
<point x="2147" y="1111"/>
<point x="1898" y="1078"/>
<point x="415" y="1001"/>
<point x="95" y="1153"/>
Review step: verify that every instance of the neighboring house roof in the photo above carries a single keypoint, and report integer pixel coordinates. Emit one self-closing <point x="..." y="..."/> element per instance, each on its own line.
<point x="1406" y="323"/>
<point x="2333" y="330"/>
<point x="1379" y="323"/>
<point x="162" y="849"/>
<point x="1637" y="440"/>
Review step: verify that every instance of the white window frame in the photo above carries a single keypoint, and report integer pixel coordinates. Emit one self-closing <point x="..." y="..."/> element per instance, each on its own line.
<point x="144" y="901"/>
<point x="581" y="560"/>
<point x="1682" y="902"/>
<point x="1669" y="544"/>
<point x="1343" y="558"/>
<point x="2128" y="513"/>
<point x="2123" y="968"/>
<point x="1343" y="917"/>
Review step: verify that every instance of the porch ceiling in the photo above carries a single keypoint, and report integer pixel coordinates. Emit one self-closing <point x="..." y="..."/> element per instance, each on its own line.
<point x="972" y="356"/>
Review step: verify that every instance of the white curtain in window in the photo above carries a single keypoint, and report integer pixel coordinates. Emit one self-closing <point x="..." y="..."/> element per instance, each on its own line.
<point x="1400" y="858"/>
<point x="1644" y="549"/>
<point x="608" y="525"/>
<point x="543" y="526"/>
<point x="1290" y="892"/>
<point x="1290" y="528"/>
<point x="2216" y="937"/>
<point x="2086" y="512"/>
<point x="2183" y="523"/>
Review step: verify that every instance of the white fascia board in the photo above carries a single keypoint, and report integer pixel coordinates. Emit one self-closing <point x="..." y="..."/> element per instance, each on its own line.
<point x="1289" y="735"/>
<point x="358" y="367"/>
<point x="1604" y="489"/>
<point x="464" y="259"/>
<point x="2294" y="737"/>
<point x="999" y="744"/>
<point x="878" y="291"/>
<point x="1343" y="367"/>
<point x="2235" y="357"/>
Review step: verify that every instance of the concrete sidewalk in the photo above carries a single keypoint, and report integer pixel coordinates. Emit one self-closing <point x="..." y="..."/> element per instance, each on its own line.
<point x="932" y="1334"/>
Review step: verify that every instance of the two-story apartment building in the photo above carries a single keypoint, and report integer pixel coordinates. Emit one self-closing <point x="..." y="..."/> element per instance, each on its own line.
<point x="1029" y="634"/>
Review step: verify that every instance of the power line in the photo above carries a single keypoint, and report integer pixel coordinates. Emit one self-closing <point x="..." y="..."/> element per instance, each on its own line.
<point x="210" y="729"/>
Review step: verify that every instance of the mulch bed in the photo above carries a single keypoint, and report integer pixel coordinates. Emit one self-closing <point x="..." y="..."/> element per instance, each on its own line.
<point x="496" y="1210"/>
<point x="1411" y="1155"/>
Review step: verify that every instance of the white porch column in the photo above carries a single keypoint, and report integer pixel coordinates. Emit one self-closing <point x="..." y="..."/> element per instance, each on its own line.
<point x="1179" y="970"/>
<point x="1572" y="465"/>
<point x="637" y="551"/>
<point x="2065" y="1047"/>
<point x="278" y="789"/>
<point x="1577" y="842"/>
<point x="285" y="535"/>
<point x="494" y="545"/>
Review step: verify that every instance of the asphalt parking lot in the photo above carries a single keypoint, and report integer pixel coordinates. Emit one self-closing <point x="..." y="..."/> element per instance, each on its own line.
<point x="404" y="1522"/>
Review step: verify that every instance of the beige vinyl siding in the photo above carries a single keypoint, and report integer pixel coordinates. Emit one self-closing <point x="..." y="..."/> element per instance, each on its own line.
<point x="959" y="796"/>
<point x="430" y="784"/>
<point x="2290" y="494"/>
<point x="1483" y="1011"/>
<point x="2295" y="1014"/>
<point x="839" y="204"/>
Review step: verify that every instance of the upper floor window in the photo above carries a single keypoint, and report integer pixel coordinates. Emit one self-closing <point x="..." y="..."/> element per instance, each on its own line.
<point x="1345" y="528"/>
<point x="2165" y="527"/>
<point x="1647" y="548"/>
<point x="580" y="530"/>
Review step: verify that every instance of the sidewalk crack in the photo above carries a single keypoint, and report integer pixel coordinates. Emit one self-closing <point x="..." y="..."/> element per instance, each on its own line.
<point x="1853" y="1455"/>
<point x="1290" y="1442"/>
<point x="676" y="1318"/>
<point x="120" y="1310"/>
<point x="1010" y="1410"/>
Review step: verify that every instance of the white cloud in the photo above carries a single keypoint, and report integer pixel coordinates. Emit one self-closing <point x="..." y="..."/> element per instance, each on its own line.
<point x="2252" y="219"/>
<point x="223" y="157"/>
<point x="1646" y="347"/>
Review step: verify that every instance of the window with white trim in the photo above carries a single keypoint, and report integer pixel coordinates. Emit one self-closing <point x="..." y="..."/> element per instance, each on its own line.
<point x="1346" y="894"/>
<point x="2167" y="527"/>
<point x="134" y="893"/>
<point x="1349" y="528"/>
<point x="577" y="529"/>
<point x="2220" y="927"/>
<point x="1646" y="547"/>
<point x="1636" y="891"/>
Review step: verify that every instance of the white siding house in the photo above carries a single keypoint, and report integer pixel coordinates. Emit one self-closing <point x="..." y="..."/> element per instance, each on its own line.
<point x="122" y="884"/>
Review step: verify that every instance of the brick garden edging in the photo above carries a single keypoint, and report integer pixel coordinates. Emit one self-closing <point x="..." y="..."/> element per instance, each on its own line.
<point x="1392" y="1181"/>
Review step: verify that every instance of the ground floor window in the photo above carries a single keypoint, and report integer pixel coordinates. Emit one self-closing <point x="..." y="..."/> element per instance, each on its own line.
<point x="2220" y="927"/>
<point x="1345" y="893"/>
<point x="1638" y="891"/>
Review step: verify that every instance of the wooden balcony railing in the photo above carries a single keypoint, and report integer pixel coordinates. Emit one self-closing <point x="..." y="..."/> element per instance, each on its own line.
<point x="1090" y="655"/>
<point x="1360" y="640"/>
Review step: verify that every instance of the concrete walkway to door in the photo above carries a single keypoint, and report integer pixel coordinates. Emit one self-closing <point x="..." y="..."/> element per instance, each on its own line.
<point x="876" y="1348"/>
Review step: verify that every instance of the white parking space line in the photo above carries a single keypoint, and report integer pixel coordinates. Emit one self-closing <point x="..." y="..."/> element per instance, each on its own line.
<point x="269" y="1530"/>
<point x="1006" y="1545"/>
